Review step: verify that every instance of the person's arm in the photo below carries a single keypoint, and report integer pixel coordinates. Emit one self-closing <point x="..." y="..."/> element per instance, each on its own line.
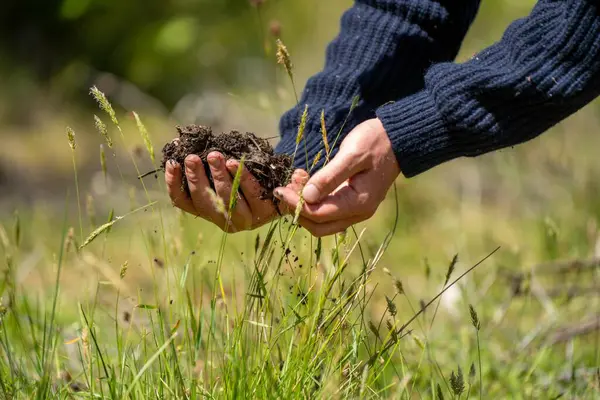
<point x="381" y="54"/>
<point x="545" y="68"/>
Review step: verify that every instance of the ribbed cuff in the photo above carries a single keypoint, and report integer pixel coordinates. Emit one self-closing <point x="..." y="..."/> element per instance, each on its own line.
<point x="420" y="138"/>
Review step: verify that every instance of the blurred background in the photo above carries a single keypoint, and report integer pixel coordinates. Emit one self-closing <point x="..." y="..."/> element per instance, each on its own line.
<point x="176" y="61"/>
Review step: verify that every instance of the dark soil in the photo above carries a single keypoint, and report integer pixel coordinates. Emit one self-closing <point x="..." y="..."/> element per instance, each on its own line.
<point x="270" y="169"/>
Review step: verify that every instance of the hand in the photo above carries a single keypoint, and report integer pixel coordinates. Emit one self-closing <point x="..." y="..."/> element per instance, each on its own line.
<point x="250" y="212"/>
<point x="350" y="188"/>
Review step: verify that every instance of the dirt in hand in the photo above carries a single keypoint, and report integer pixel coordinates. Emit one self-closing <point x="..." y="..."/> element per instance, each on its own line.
<point x="270" y="169"/>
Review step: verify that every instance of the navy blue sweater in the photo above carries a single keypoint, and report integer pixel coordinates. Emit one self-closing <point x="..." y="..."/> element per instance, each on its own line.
<point x="396" y="55"/>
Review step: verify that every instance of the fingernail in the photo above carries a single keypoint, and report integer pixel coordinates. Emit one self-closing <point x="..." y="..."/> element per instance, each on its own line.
<point x="214" y="161"/>
<point x="278" y="193"/>
<point x="173" y="164"/>
<point x="311" y="193"/>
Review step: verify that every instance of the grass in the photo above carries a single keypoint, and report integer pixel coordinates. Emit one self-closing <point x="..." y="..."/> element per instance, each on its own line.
<point x="158" y="306"/>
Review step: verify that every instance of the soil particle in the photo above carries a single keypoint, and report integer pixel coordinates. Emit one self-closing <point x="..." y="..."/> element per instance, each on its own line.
<point x="270" y="170"/>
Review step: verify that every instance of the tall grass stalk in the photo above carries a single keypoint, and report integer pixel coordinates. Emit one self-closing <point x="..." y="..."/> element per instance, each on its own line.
<point x="477" y="325"/>
<point x="73" y="146"/>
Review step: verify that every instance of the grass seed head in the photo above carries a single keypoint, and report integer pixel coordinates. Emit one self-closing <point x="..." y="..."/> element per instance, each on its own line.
<point x="104" y="104"/>
<point x="316" y="159"/>
<point x="392" y="330"/>
<point x="427" y="269"/>
<point x="302" y="126"/>
<point x="324" y="133"/>
<point x="457" y="382"/>
<point x="440" y="394"/>
<point x="283" y="58"/>
<point x="474" y="317"/>
<point x="256" y="243"/>
<point x="71" y="138"/>
<point x="373" y="329"/>
<point x="472" y="372"/>
<point x="298" y="210"/>
<point x="399" y="286"/>
<point x="101" y="128"/>
<point x="354" y="104"/>
<point x="391" y="306"/>
<point x="123" y="270"/>
<point x="451" y="268"/>
<point x="419" y="342"/>
<point x="217" y="202"/>
<point x="98" y="231"/>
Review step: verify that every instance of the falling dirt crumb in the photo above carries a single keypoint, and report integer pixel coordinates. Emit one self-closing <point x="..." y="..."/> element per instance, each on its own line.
<point x="270" y="170"/>
<point x="159" y="263"/>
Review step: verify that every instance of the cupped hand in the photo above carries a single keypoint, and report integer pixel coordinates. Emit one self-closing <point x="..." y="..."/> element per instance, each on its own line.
<point x="251" y="210"/>
<point x="350" y="188"/>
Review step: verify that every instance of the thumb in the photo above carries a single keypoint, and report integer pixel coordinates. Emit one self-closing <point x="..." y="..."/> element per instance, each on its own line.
<point x="341" y="168"/>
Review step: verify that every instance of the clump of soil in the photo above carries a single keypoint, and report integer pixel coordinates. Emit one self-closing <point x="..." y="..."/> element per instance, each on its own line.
<point x="270" y="169"/>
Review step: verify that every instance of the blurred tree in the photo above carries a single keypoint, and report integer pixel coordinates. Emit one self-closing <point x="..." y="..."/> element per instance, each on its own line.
<point x="188" y="42"/>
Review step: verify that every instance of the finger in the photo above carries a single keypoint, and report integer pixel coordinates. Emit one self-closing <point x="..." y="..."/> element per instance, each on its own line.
<point x="260" y="208"/>
<point x="343" y="204"/>
<point x="249" y="185"/>
<point x="198" y="183"/>
<point x="240" y="215"/>
<point x="329" y="228"/>
<point x="173" y="179"/>
<point x="341" y="168"/>
<point x="299" y="178"/>
<point x="297" y="183"/>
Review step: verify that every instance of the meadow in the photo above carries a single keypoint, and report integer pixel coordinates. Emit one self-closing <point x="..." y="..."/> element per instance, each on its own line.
<point x="479" y="279"/>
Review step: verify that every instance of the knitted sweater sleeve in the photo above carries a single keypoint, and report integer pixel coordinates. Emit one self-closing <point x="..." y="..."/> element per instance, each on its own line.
<point x="546" y="67"/>
<point x="381" y="54"/>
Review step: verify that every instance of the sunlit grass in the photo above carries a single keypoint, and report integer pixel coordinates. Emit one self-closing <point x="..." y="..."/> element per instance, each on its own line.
<point x="159" y="305"/>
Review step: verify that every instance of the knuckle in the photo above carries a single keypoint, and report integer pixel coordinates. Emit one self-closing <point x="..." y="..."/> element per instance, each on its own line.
<point x="355" y="155"/>
<point x="354" y="152"/>
<point x="172" y="180"/>
<point x="192" y="177"/>
<point x="169" y="178"/>
<point x="364" y="199"/>
<point x="218" y="175"/>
